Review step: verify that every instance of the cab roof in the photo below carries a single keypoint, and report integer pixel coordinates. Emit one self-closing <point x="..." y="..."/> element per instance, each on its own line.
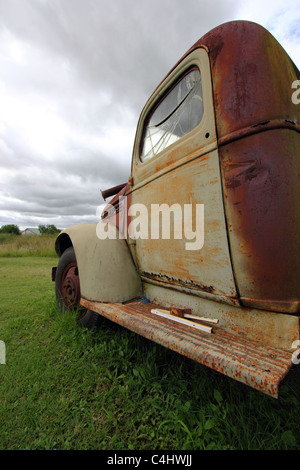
<point x="252" y="77"/>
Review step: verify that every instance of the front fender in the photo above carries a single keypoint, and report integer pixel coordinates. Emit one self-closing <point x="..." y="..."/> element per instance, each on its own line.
<point x="106" y="269"/>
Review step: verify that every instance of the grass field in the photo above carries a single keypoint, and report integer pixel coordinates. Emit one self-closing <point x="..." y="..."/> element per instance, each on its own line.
<point x="18" y="245"/>
<point x="64" y="387"/>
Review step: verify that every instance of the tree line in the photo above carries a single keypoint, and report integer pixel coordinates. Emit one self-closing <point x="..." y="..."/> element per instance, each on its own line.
<point x="14" y="229"/>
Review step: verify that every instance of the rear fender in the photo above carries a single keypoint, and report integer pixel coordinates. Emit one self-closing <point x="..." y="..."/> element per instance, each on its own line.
<point x="106" y="269"/>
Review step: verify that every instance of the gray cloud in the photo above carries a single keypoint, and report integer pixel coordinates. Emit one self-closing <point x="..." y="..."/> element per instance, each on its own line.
<point x="122" y="46"/>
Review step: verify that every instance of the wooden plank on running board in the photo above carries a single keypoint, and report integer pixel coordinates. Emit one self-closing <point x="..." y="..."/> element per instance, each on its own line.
<point x="194" y="317"/>
<point x="198" y="326"/>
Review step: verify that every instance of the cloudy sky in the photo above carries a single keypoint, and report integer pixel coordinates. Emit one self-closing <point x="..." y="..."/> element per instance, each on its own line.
<point x="74" y="77"/>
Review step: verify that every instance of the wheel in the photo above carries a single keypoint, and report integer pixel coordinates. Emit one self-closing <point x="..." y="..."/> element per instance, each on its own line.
<point x="67" y="290"/>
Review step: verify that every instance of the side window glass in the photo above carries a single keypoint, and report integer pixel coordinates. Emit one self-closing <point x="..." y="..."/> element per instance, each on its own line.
<point x="178" y="113"/>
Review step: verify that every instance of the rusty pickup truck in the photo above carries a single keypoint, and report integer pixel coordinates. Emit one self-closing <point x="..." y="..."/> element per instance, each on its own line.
<point x="200" y="250"/>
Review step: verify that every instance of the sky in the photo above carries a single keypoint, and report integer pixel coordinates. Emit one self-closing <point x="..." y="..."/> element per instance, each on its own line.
<point x="74" y="77"/>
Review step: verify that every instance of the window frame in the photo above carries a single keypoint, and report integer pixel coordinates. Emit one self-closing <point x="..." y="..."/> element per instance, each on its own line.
<point x="201" y="139"/>
<point x="158" y="104"/>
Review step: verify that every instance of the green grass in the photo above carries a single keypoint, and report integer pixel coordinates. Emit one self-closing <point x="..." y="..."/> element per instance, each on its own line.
<point x="64" y="387"/>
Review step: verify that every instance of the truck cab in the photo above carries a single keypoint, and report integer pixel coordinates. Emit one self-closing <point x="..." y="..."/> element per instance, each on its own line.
<point x="199" y="249"/>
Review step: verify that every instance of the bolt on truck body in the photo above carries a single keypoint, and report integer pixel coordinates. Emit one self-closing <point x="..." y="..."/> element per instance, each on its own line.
<point x="221" y="134"/>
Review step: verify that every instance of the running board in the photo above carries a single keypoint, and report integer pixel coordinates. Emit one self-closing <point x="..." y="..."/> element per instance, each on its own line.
<point x="255" y="364"/>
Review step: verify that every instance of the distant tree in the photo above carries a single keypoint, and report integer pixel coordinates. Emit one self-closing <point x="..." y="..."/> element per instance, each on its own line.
<point x="48" y="229"/>
<point x="52" y="229"/>
<point x="42" y="229"/>
<point x="10" y="229"/>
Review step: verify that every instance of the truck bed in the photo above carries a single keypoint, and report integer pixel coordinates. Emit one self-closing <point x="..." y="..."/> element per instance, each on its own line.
<point x="255" y="364"/>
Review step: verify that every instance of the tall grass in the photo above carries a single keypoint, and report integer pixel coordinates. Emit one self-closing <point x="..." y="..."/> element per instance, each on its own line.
<point x="32" y="245"/>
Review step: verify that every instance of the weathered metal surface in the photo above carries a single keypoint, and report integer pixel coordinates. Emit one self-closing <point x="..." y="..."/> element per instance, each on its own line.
<point x="258" y="138"/>
<point x="256" y="365"/>
<point x="115" y="214"/>
<point x="204" y="271"/>
<point x="279" y="330"/>
<point x="200" y="141"/>
<point x="259" y="141"/>
<point x="106" y="269"/>
<point x="112" y="191"/>
<point x="185" y="174"/>
<point x="252" y="76"/>
<point x="262" y="194"/>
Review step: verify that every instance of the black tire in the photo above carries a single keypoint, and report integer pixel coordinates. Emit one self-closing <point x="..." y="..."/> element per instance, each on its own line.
<point x="67" y="290"/>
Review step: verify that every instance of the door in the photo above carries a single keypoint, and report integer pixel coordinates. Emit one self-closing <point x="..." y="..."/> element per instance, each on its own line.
<point x="177" y="212"/>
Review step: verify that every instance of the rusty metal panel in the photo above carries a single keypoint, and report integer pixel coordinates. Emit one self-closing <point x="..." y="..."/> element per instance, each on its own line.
<point x="262" y="201"/>
<point x="254" y="364"/>
<point x="112" y="191"/>
<point x="259" y="144"/>
<point x="252" y="76"/>
<point x="258" y="137"/>
<point x="278" y="330"/>
<point x="204" y="271"/>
